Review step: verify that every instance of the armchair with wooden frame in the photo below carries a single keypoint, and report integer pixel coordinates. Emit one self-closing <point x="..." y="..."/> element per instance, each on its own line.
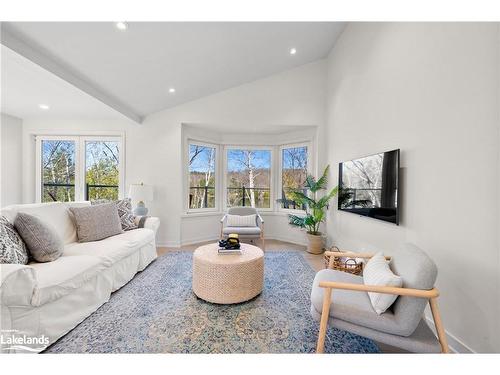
<point x="341" y="300"/>
<point x="252" y="232"/>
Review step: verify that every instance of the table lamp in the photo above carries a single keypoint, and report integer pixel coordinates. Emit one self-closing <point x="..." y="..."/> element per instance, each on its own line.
<point x="140" y="193"/>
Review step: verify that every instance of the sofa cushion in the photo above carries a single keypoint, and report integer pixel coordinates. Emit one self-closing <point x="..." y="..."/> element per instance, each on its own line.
<point x="244" y="231"/>
<point x="62" y="276"/>
<point x="12" y="247"/>
<point x="42" y="240"/>
<point x="94" y="223"/>
<point x="353" y="306"/>
<point x="55" y="213"/>
<point x="112" y="249"/>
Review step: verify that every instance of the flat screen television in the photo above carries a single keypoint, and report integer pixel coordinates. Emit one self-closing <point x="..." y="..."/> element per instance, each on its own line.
<point x="369" y="186"/>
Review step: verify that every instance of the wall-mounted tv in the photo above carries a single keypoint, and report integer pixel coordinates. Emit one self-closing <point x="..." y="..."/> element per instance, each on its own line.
<point x="369" y="186"/>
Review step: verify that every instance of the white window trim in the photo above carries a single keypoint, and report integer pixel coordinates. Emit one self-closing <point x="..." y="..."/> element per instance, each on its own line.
<point x="191" y="141"/>
<point x="310" y="169"/>
<point x="271" y="182"/>
<point x="79" y="161"/>
<point x="221" y="171"/>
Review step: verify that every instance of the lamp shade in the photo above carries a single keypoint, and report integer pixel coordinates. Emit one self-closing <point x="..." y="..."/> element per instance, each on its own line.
<point x="140" y="192"/>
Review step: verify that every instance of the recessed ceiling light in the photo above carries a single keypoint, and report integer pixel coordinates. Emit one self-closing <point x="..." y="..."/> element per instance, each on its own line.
<point x="43" y="106"/>
<point x="121" y="25"/>
<point x="171" y="90"/>
<point x="293" y="51"/>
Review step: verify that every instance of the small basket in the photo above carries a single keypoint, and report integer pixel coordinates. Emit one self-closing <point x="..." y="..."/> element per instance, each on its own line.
<point x="348" y="265"/>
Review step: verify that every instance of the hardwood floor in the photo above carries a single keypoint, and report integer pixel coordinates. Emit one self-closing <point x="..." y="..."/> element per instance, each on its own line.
<point x="316" y="262"/>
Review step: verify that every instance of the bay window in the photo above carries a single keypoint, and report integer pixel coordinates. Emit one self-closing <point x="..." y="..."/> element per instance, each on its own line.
<point x="248" y="179"/>
<point x="202" y="176"/>
<point x="294" y="164"/>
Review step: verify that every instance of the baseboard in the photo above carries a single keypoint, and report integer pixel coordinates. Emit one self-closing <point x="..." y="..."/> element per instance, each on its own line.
<point x="456" y="346"/>
<point x="193" y="241"/>
<point x="285" y="239"/>
<point x="168" y="244"/>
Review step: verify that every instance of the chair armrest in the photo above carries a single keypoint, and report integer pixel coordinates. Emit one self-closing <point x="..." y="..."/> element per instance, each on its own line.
<point x="223" y="219"/>
<point x="420" y="293"/>
<point x="151" y="222"/>
<point x="17" y="284"/>
<point x="260" y="219"/>
<point x="351" y="254"/>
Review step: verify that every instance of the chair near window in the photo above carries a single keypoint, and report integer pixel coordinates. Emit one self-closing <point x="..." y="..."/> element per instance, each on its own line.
<point x="340" y="300"/>
<point x="250" y="232"/>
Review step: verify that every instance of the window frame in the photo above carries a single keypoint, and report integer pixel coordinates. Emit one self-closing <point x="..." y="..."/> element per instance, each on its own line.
<point x="189" y="142"/>
<point x="310" y="169"/>
<point x="270" y="148"/>
<point x="80" y="161"/>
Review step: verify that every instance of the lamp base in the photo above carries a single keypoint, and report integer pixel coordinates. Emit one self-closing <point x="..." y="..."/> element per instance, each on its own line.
<point x="141" y="209"/>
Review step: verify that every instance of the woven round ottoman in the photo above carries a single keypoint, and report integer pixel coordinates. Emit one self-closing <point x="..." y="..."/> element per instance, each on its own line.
<point x="227" y="279"/>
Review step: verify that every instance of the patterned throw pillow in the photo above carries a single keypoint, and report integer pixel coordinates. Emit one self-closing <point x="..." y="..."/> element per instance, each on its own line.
<point x="127" y="217"/>
<point x="12" y="247"/>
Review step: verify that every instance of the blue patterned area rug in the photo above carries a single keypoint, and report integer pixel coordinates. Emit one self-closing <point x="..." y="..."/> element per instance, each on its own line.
<point x="157" y="312"/>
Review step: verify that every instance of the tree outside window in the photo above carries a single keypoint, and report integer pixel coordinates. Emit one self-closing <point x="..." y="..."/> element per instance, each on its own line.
<point x="293" y="173"/>
<point x="249" y="178"/>
<point x="201" y="176"/>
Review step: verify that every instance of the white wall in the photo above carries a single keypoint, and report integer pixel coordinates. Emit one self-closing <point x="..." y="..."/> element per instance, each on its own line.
<point x="431" y="90"/>
<point x="11" y="154"/>
<point x="294" y="98"/>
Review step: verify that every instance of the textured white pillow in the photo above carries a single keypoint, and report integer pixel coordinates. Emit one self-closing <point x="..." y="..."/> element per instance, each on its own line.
<point x="377" y="272"/>
<point x="241" y="221"/>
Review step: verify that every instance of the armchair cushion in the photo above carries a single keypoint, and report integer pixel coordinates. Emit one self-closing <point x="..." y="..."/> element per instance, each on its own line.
<point x="242" y="220"/>
<point x="353" y="306"/>
<point x="244" y="231"/>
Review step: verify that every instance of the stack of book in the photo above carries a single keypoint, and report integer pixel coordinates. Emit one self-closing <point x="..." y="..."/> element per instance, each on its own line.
<point x="224" y="251"/>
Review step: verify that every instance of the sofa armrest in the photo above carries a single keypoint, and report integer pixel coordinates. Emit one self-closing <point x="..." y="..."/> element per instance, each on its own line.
<point x="17" y="284"/>
<point x="151" y="222"/>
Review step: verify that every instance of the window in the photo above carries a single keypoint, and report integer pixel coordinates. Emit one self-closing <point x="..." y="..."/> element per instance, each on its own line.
<point x="293" y="172"/>
<point x="102" y="170"/>
<point x="248" y="180"/>
<point x="79" y="168"/>
<point x="202" y="165"/>
<point x="58" y="170"/>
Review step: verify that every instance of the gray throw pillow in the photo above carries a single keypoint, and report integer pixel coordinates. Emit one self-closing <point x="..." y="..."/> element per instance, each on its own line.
<point x="94" y="223"/>
<point x="41" y="239"/>
<point x="127" y="217"/>
<point x="12" y="247"/>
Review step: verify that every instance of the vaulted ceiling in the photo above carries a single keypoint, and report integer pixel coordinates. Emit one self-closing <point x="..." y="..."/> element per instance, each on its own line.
<point x="133" y="70"/>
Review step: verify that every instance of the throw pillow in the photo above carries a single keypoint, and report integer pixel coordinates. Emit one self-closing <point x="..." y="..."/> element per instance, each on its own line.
<point x="377" y="272"/>
<point x="12" y="247"/>
<point x="241" y="221"/>
<point x="41" y="239"/>
<point x="127" y="217"/>
<point x="94" y="223"/>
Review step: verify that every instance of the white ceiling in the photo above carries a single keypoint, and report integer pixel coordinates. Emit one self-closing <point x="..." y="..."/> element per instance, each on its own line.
<point x="134" y="69"/>
<point x="25" y="85"/>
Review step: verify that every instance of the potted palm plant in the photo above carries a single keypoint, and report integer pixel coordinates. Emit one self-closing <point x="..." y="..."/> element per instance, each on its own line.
<point x="314" y="207"/>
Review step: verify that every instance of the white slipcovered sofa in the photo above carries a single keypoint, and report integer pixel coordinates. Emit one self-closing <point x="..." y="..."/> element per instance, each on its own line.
<point x="47" y="300"/>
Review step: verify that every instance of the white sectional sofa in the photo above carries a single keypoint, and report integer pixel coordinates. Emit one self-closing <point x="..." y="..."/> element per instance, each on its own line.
<point x="46" y="300"/>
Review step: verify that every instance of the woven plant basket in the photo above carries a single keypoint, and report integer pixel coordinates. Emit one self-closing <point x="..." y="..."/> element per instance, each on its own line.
<point x="348" y="265"/>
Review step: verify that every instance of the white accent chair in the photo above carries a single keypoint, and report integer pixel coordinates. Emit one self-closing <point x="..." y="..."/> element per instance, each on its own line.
<point x="341" y="300"/>
<point x="244" y="232"/>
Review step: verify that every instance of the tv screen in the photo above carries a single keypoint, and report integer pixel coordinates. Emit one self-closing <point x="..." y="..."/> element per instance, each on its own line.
<point x="369" y="186"/>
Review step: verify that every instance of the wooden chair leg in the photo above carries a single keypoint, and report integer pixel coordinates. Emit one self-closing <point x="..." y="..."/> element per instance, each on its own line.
<point x="263" y="243"/>
<point x="439" y="325"/>
<point x="325" y="314"/>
